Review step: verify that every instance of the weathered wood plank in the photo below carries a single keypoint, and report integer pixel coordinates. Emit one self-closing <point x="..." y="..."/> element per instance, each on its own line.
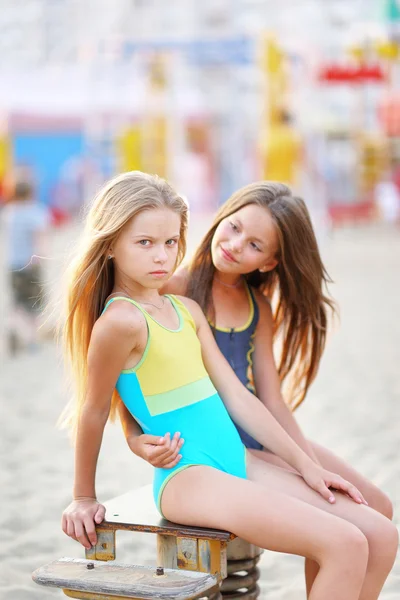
<point x="166" y="551"/>
<point x="135" y="511"/>
<point x="187" y="553"/>
<point x="123" y="580"/>
<point x="212" y="557"/>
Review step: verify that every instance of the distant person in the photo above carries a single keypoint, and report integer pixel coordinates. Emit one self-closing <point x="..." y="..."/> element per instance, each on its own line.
<point x="283" y="151"/>
<point x="25" y="222"/>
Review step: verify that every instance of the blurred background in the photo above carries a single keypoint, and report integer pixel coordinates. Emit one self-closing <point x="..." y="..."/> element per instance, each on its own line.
<point x="211" y="95"/>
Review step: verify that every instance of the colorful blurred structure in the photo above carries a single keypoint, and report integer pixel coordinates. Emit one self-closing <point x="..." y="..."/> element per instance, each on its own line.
<point x="210" y="96"/>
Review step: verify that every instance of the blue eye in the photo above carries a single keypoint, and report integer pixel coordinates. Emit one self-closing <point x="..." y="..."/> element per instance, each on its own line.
<point x="144" y="242"/>
<point x="171" y="242"/>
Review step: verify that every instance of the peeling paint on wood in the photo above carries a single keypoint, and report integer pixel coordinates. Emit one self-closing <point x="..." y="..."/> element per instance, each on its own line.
<point x="111" y="579"/>
<point x="105" y="547"/>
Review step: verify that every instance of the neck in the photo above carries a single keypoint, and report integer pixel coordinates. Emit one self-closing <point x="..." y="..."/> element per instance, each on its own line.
<point x="136" y="291"/>
<point x="228" y="279"/>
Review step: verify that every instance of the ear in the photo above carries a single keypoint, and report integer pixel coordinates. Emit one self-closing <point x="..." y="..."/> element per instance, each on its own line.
<point x="269" y="266"/>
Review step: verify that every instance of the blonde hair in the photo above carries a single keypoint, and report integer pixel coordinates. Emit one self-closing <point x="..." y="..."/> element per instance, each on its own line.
<point x="90" y="277"/>
<point x="297" y="285"/>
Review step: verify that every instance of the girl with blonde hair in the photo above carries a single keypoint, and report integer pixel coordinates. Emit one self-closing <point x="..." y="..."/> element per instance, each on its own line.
<point x="156" y="354"/>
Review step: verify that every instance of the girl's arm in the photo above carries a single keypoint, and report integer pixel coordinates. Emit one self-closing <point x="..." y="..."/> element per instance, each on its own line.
<point x="113" y="339"/>
<point x="267" y="381"/>
<point x="255" y="418"/>
<point x="161" y="452"/>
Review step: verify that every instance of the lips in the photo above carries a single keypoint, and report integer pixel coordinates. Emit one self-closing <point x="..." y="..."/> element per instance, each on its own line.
<point x="227" y="255"/>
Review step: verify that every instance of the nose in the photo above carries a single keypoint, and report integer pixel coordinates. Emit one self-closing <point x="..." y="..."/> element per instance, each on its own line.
<point x="236" y="245"/>
<point x="160" y="255"/>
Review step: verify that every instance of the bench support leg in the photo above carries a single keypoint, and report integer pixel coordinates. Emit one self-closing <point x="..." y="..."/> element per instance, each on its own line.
<point x="192" y="554"/>
<point x="105" y="547"/>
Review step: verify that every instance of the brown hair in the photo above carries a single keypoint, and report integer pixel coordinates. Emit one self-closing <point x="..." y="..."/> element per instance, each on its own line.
<point x="91" y="274"/>
<point x="296" y="286"/>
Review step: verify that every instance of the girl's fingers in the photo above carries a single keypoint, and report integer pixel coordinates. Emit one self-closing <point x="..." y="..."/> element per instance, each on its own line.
<point x="325" y="492"/>
<point x="81" y="535"/>
<point x="173" y="463"/>
<point x="168" y="464"/>
<point x="70" y="529"/>
<point x="100" y="514"/>
<point x="175" y="441"/>
<point x="159" y="453"/>
<point x="350" y="490"/>
<point x="168" y="451"/>
<point x="90" y="529"/>
<point x="64" y="524"/>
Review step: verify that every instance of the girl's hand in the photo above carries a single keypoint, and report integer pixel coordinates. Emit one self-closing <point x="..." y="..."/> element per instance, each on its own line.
<point x="159" y="452"/>
<point x="80" y="518"/>
<point x="323" y="481"/>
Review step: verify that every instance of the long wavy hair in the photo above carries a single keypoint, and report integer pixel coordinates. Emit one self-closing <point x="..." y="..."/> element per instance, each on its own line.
<point x="296" y="286"/>
<point x="90" y="277"/>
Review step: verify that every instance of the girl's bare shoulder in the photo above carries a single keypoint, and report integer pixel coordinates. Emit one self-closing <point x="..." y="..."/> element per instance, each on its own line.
<point x="264" y="306"/>
<point x="121" y="319"/>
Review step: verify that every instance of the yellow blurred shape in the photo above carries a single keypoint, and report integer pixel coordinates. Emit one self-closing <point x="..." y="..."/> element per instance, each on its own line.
<point x="5" y="156"/>
<point x="129" y="146"/>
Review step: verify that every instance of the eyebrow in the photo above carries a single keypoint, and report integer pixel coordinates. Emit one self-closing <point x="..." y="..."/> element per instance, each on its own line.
<point x="254" y="238"/>
<point x="150" y="237"/>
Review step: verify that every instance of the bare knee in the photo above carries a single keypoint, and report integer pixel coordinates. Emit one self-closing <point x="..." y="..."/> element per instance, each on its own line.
<point x="348" y="549"/>
<point x="383" y="539"/>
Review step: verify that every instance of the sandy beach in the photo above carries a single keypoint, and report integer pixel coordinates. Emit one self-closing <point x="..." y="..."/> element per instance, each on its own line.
<point x="353" y="409"/>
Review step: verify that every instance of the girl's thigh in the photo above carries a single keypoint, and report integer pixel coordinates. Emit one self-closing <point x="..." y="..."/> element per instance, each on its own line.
<point x="292" y="484"/>
<point x="255" y="511"/>
<point x="374" y="496"/>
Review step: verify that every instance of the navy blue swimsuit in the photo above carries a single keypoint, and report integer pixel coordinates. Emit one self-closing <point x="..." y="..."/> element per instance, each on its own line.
<point x="237" y="345"/>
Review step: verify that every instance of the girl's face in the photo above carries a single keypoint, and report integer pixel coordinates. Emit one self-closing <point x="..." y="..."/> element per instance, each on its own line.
<point x="145" y="252"/>
<point x="245" y="241"/>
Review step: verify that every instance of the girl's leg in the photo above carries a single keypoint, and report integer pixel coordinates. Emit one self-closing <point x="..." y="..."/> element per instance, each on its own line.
<point x="271" y="519"/>
<point x="376" y="499"/>
<point x="381" y="534"/>
<point x="374" y="496"/>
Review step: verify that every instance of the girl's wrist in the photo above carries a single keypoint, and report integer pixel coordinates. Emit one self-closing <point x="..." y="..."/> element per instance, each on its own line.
<point x="304" y="463"/>
<point x="78" y="498"/>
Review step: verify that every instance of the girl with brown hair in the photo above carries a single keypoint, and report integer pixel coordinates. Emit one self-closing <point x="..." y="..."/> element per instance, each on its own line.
<point x="156" y="354"/>
<point x="259" y="278"/>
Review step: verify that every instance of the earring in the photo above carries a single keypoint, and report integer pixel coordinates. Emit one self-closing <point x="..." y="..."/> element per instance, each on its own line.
<point x="110" y="256"/>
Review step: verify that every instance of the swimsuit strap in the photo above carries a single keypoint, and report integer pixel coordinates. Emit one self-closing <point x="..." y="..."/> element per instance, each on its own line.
<point x="123" y="298"/>
<point x="256" y="310"/>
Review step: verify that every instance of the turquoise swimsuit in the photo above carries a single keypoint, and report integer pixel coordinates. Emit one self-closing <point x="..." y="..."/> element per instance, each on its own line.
<point x="169" y="390"/>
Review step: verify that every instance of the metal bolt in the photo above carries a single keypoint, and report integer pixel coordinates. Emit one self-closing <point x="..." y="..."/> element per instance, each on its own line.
<point x="90" y="566"/>
<point x="160" y="571"/>
<point x="187" y="554"/>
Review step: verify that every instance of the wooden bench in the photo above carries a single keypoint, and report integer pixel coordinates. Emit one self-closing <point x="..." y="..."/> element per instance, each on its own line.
<point x="180" y="550"/>
<point x="82" y="579"/>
